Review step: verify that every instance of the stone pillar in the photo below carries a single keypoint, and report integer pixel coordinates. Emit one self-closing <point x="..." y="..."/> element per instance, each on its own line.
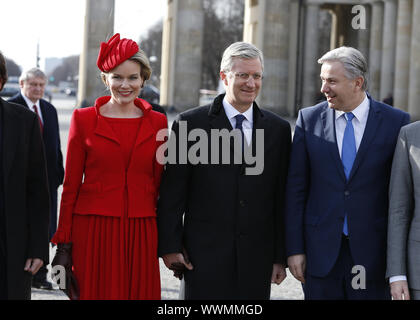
<point x="294" y="55"/>
<point x="414" y="91"/>
<point x="99" y="27"/>
<point x="271" y="35"/>
<point x="388" y="51"/>
<point x="363" y="35"/>
<point x="375" y="50"/>
<point x="311" y="68"/>
<point x="182" y="54"/>
<point x="402" y="55"/>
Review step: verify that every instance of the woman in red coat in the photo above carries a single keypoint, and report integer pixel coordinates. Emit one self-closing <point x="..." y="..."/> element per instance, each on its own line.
<point x="111" y="184"/>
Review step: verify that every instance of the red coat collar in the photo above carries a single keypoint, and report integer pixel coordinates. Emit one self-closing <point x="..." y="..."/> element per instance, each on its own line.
<point x="140" y="103"/>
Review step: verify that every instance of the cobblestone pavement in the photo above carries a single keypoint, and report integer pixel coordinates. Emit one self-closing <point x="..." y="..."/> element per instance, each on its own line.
<point x="290" y="289"/>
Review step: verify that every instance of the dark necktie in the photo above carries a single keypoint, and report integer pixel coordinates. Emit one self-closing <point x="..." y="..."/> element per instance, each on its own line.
<point x="348" y="154"/>
<point x="39" y="119"/>
<point x="239" y="119"/>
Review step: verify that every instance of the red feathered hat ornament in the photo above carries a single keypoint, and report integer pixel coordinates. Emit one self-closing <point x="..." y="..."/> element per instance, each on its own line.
<point x="115" y="52"/>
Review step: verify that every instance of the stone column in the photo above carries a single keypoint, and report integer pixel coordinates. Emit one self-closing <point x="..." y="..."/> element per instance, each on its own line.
<point x="388" y="51"/>
<point x="375" y="50"/>
<point x="363" y="35"/>
<point x="311" y="68"/>
<point x="294" y="55"/>
<point x="182" y="54"/>
<point x="402" y="55"/>
<point x="414" y="91"/>
<point x="273" y="39"/>
<point x="99" y="27"/>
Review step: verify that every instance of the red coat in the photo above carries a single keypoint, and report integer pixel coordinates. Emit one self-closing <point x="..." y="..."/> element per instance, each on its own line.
<point x="94" y="151"/>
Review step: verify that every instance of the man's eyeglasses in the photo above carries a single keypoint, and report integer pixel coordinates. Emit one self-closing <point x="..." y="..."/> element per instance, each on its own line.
<point x="245" y="76"/>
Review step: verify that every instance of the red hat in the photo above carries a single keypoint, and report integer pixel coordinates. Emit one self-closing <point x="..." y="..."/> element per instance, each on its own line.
<point x="115" y="52"/>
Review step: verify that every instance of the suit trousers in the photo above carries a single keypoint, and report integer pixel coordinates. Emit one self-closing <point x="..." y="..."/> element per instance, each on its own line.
<point x="337" y="285"/>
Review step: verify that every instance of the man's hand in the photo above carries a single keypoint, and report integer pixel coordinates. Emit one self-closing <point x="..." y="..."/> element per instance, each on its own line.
<point x="177" y="262"/>
<point x="33" y="265"/>
<point x="279" y="273"/>
<point x="297" y="266"/>
<point x="399" y="290"/>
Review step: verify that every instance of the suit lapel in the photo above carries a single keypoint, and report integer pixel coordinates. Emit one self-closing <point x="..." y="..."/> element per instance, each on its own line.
<point x="219" y="120"/>
<point x="21" y="100"/>
<point x="217" y="115"/>
<point x="328" y="122"/>
<point x="259" y="122"/>
<point x="372" y="124"/>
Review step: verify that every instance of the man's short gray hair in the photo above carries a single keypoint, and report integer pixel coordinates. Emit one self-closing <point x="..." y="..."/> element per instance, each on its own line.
<point x="353" y="61"/>
<point x="243" y="50"/>
<point x="32" y="73"/>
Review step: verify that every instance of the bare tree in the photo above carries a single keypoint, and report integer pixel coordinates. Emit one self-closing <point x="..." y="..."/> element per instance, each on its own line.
<point x="66" y="71"/>
<point x="223" y="25"/>
<point x="151" y="44"/>
<point x="13" y="69"/>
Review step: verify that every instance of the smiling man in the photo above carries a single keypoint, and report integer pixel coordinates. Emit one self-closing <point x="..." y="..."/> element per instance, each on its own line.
<point x="218" y="226"/>
<point x="337" y="191"/>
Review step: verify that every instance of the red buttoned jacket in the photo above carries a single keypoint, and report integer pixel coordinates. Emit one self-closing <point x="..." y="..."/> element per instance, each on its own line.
<point x="95" y="175"/>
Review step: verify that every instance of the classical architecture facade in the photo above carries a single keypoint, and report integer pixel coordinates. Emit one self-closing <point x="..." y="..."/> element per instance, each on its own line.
<point x="293" y="34"/>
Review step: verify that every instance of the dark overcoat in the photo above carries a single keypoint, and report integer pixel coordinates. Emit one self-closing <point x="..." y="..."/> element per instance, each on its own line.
<point x="53" y="154"/>
<point x="230" y="222"/>
<point x="25" y="200"/>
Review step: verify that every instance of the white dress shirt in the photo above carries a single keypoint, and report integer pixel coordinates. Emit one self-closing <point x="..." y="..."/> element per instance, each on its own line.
<point x="359" y="121"/>
<point x="231" y="112"/>
<point x="31" y="106"/>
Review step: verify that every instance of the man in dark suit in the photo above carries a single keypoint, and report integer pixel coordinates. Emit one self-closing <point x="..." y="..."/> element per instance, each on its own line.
<point x="337" y="191"/>
<point x="32" y="83"/>
<point x="220" y="223"/>
<point x="24" y="199"/>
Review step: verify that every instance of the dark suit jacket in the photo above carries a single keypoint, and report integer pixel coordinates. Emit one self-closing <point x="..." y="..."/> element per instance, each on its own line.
<point x="233" y="223"/>
<point x="25" y="195"/>
<point x="319" y="196"/>
<point x="51" y="138"/>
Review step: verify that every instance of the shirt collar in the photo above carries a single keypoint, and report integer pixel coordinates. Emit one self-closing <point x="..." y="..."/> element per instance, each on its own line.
<point x="360" y="112"/>
<point x="29" y="102"/>
<point x="231" y="112"/>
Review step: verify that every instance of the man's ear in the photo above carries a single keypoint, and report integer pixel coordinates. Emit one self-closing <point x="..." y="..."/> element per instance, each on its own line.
<point x="359" y="82"/>
<point x="223" y="76"/>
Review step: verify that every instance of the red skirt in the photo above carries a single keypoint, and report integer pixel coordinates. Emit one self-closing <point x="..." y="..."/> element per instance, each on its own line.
<point x="116" y="258"/>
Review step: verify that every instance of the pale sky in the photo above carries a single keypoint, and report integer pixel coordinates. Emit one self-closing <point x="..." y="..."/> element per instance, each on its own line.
<point x="58" y="26"/>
